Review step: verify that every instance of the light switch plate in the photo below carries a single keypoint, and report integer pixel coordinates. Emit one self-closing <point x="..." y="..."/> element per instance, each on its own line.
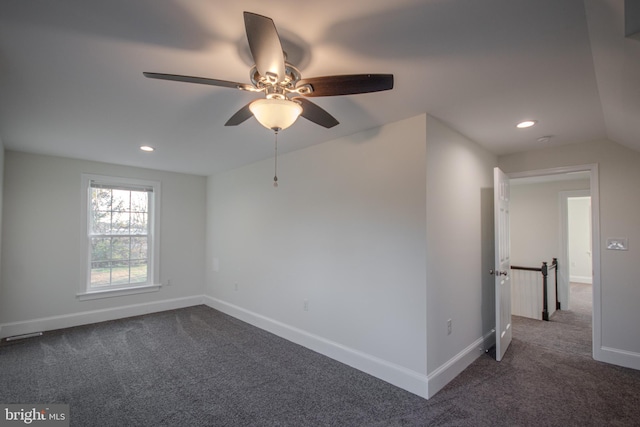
<point x="618" y="244"/>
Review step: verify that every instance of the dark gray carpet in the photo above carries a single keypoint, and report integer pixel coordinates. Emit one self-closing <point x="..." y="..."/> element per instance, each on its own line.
<point x="567" y="330"/>
<point x="199" y="367"/>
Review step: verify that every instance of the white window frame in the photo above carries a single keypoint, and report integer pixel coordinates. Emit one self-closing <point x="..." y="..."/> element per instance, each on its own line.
<point x="86" y="291"/>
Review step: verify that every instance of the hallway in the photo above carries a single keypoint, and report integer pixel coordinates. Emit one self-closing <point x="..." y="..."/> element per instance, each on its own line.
<point x="567" y="330"/>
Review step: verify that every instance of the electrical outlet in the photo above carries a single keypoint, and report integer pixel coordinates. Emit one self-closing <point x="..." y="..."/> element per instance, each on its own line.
<point x="449" y="327"/>
<point x="305" y="305"/>
<point x="168" y="282"/>
<point x="235" y="286"/>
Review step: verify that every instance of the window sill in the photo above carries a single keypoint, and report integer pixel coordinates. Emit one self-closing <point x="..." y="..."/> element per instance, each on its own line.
<point x="109" y="293"/>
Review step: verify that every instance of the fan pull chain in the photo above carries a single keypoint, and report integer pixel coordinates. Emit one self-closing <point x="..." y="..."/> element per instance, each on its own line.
<point x="275" y="173"/>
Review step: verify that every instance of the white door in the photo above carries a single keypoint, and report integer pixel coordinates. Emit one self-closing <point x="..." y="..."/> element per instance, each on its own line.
<point x="502" y="262"/>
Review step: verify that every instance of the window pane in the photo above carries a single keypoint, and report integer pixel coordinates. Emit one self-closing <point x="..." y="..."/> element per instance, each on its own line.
<point x="100" y="249"/>
<point x="139" y="223"/>
<point x="121" y="200"/>
<point x="139" y="248"/>
<point x="100" y="211"/>
<point x="120" y="248"/>
<point x="139" y="201"/>
<point x="120" y="223"/>
<point x="139" y="272"/>
<point x="101" y="222"/>
<point x="120" y="273"/>
<point x="101" y="199"/>
<point x="100" y="274"/>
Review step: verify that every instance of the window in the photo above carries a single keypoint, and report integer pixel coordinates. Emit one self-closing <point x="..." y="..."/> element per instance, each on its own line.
<point x="120" y="228"/>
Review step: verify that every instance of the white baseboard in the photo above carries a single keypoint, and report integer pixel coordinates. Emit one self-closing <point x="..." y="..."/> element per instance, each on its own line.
<point x="628" y="359"/>
<point x="94" y="316"/>
<point x="407" y="379"/>
<point x="451" y="369"/>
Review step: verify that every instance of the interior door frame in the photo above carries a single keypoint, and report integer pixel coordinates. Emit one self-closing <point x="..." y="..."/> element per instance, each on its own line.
<point x="594" y="188"/>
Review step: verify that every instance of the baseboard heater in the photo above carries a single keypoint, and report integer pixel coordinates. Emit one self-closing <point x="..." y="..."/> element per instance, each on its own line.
<point x="23" y="336"/>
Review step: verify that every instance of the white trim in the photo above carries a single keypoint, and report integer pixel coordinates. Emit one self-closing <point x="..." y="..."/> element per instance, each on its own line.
<point x="452" y="368"/>
<point x="628" y="359"/>
<point x="594" y="186"/>
<point x="94" y="316"/>
<point x="553" y="171"/>
<point x="109" y="293"/>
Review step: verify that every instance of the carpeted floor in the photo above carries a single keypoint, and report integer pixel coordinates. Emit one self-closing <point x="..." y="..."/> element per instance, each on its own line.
<point x="567" y="330"/>
<point x="199" y="367"/>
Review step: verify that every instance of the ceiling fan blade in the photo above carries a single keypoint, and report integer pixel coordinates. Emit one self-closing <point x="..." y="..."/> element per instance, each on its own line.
<point x="315" y="113"/>
<point x="199" y="80"/>
<point x="265" y="46"/>
<point x="240" y="116"/>
<point x="347" y="84"/>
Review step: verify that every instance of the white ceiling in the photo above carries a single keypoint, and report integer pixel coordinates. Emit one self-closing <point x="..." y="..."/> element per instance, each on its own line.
<point x="71" y="79"/>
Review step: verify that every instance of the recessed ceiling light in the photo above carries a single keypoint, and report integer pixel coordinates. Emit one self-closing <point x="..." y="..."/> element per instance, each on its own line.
<point x="545" y="138"/>
<point x="526" y="124"/>
<point x="147" y="148"/>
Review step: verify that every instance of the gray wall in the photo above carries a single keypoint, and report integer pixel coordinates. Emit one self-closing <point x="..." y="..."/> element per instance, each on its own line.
<point x="460" y="243"/>
<point x="345" y="231"/>
<point x="535" y="220"/>
<point x="41" y="268"/>
<point x="371" y="230"/>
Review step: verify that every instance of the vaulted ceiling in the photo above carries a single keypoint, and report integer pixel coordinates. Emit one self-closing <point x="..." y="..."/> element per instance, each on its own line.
<point x="71" y="80"/>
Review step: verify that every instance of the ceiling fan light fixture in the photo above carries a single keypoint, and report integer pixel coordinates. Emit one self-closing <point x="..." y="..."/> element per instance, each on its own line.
<point x="275" y="114"/>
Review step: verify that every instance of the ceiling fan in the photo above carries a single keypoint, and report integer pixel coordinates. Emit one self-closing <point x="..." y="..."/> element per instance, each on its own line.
<point x="285" y="90"/>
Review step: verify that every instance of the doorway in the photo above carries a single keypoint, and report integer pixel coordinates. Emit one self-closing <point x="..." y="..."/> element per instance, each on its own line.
<point x="572" y="268"/>
<point x="577" y="247"/>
